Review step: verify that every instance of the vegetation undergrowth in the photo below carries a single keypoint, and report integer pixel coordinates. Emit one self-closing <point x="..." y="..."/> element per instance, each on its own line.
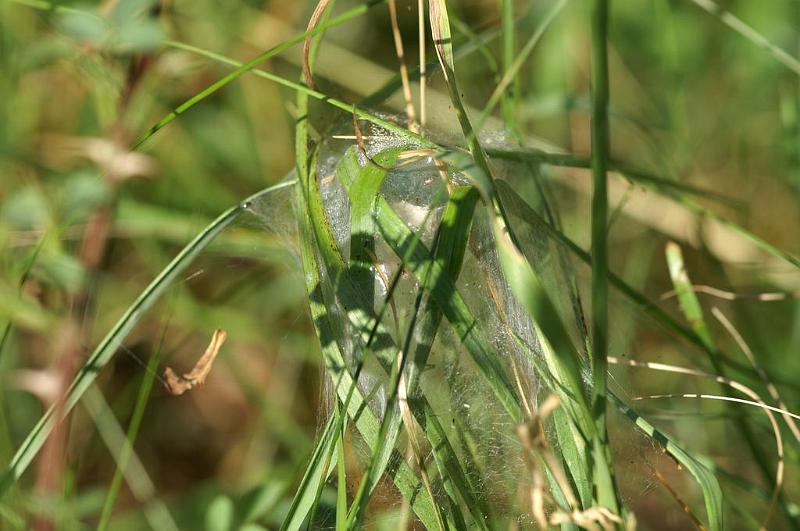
<point x="482" y="308"/>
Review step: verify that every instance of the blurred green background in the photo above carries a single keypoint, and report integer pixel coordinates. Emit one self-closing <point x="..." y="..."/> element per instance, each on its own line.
<point x="88" y="224"/>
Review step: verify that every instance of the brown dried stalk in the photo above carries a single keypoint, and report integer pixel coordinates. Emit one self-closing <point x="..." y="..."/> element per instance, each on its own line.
<point x="177" y="385"/>
<point x="312" y="23"/>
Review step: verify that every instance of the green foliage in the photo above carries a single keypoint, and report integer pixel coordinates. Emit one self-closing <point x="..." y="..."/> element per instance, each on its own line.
<point x="405" y="306"/>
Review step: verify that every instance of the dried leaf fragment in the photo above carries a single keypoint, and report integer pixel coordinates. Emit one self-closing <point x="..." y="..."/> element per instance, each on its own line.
<point x="177" y="385"/>
<point x="440" y="31"/>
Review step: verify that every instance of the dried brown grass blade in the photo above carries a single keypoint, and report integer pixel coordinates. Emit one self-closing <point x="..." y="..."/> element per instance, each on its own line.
<point x="177" y="385"/>
<point x="748" y="352"/>
<point x="398" y="46"/>
<point x="312" y="23"/>
<point x="440" y="31"/>
<point x="677" y="497"/>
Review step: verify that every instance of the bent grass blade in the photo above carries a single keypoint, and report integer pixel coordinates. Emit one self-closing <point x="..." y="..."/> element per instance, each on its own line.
<point x="116" y="336"/>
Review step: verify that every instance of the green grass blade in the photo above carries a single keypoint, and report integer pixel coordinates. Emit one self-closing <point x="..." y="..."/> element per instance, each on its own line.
<point x="605" y="490"/>
<point x="512" y="64"/>
<point x="509" y="53"/>
<point x="130" y="437"/>
<point x="750" y="34"/>
<point x="573" y="449"/>
<point x="316" y="237"/>
<point x="353" y="288"/>
<point x="693" y="312"/>
<point x="233" y="76"/>
<point x="658" y="183"/>
<point x="114" y="339"/>
<point x="346" y="388"/>
<point x="362" y="185"/>
<point x="451" y="469"/>
<point x="445" y="294"/>
<point x="687" y="298"/>
<point x="314" y="476"/>
<point x="156" y="513"/>
<point x="341" y="485"/>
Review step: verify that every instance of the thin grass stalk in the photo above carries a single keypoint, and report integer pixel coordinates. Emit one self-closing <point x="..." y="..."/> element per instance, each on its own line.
<point x="509" y="100"/>
<point x="155" y="511"/>
<point x="341" y="478"/>
<point x="521" y="209"/>
<point x="745" y="348"/>
<point x="401" y="58"/>
<point x="693" y="312"/>
<point x="604" y="480"/>
<point x="746" y="31"/>
<point x="6" y="442"/>
<point x="505" y="92"/>
<point x="130" y="437"/>
<point x="423" y="69"/>
<point x="232" y="76"/>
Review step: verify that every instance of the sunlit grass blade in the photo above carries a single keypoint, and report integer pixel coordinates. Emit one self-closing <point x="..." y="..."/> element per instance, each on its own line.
<point x="446" y="296"/>
<point x="314" y="476"/>
<point x="359" y="311"/>
<point x="341" y="484"/>
<point x="346" y="387"/>
<point x="316" y="237"/>
<point x="116" y="336"/>
<point x="362" y="185"/>
<point x="690" y="304"/>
